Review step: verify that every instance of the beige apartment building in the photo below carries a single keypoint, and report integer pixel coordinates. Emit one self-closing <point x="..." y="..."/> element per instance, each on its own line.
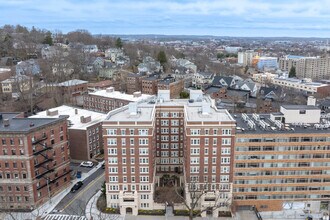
<point x="282" y="158"/>
<point x="189" y="139"/>
<point x="34" y="160"/>
<point x="316" y="68"/>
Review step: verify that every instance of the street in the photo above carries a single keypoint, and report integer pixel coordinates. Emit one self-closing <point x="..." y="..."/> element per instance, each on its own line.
<point x="75" y="203"/>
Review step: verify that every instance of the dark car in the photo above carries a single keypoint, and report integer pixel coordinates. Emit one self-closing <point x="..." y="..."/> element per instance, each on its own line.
<point x="76" y="186"/>
<point x="103" y="166"/>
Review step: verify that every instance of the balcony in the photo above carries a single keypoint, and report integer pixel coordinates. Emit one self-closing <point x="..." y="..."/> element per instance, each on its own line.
<point x="38" y="140"/>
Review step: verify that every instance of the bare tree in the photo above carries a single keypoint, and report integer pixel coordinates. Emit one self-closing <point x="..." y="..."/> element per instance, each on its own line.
<point x="195" y="193"/>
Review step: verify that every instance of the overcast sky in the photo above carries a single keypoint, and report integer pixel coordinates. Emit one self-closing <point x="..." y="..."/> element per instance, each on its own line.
<point x="300" y="18"/>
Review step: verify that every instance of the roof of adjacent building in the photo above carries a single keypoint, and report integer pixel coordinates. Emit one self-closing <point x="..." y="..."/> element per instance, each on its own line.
<point x="243" y="128"/>
<point x="74" y="119"/>
<point x="72" y="82"/>
<point x="19" y="124"/>
<point x="227" y="79"/>
<point x="300" y="107"/>
<point x="120" y="95"/>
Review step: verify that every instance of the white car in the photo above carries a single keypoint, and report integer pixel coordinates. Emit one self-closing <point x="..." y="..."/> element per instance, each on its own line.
<point x="87" y="164"/>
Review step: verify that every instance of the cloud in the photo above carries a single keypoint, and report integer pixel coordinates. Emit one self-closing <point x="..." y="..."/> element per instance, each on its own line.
<point x="157" y="15"/>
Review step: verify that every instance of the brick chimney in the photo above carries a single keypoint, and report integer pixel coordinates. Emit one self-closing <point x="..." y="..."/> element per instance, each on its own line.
<point x="85" y="119"/>
<point x="6" y="122"/>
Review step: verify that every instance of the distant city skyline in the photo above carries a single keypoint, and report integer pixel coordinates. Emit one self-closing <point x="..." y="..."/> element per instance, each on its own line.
<point x="241" y="18"/>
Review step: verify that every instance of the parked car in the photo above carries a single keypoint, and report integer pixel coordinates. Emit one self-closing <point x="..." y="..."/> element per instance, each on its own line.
<point x="76" y="186"/>
<point x="87" y="164"/>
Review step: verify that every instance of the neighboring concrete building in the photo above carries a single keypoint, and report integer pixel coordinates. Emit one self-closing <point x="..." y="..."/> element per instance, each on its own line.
<point x="316" y="68"/>
<point x="282" y="158"/>
<point x="84" y="130"/>
<point x="202" y="79"/>
<point x="34" y="160"/>
<point x="265" y="63"/>
<point x="306" y="86"/>
<point x="109" y="99"/>
<point x="288" y="61"/>
<point x="245" y="58"/>
<point x="188" y="139"/>
<point x="169" y="83"/>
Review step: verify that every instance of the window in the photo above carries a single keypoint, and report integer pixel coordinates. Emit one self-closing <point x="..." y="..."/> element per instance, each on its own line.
<point x="215" y="141"/>
<point x="143" y="141"/>
<point x="112" y="141"/>
<point x="113" y="178"/>
<point x="194" y="151"/>
<point x="123" y="142"/>
<point x="226" y="131"/>
<point x="111" y="131"/>
<point x="131" y="131"/>
<point x="143" y="132"/>
<point x="207" y="131"/>
<point x="225" y="151"/>
<point x="225" y="169"/>
<point x="224" y="178"/>
<point x="131" y="141"/>
<point x="112" y="151"/>
<point x="112" y="160"/>
<point x="123" y="132"/>
<point x="195" y="141"/>
<point x="226" y="141"/>
<point x="195" y="131"/>
<point x="144" y="169"/>
<point x="144" y="178"/>
<point x="143" y="151"/>
<point x="144" y="160"/>
<point x="194" y="169"/>
<point x="215" y="131"/>
<point x="225" y="160"/>
<point x="194" y="160"/>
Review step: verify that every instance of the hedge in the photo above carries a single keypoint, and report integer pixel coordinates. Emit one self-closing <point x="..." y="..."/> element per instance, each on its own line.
<point x="182" y="212"/>
<point x="151" y="212"/>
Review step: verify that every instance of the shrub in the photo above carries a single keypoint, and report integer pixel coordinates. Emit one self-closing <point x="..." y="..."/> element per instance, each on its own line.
<point x="151" y="212"/>
<point x="182" y="212"/>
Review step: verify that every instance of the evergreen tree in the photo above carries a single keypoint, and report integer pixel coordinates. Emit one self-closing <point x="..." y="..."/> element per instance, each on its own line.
<point x="119" y="43"/>
<point x="161" y="57"/>
<point x="48" y="39"/>
<point x="292" y="72"/>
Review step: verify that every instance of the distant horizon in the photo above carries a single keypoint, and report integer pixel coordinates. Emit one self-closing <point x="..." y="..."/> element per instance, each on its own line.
<point x="239" y="18"/>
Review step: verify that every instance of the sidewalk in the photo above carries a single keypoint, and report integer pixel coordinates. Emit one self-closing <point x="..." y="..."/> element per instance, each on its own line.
<point x="48" y="207"/>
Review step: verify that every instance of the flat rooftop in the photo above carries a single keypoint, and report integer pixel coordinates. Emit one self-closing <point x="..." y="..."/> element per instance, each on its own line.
<point x="120" y="95"/>
<point x="72" y="82"/>
<point x="300" y="107"/>
<point x="74" y="119"/>
<point x="193" y="111"/>
<point x="242" y="126"/>
<point x="24" y="124"/>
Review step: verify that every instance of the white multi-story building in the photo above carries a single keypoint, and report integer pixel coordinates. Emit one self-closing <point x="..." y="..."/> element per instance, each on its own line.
<point x="245" y="58"/>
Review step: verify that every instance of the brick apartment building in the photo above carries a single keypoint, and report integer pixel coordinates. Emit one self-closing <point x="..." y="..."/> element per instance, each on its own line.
<point x="84" y="129"/>
<point x="282" y="158"/>
<point x="134" y="83"/>
<point x="170" y="83"/>
<point x="190" y="139"/>
<point x="149" y="85"/>
<point x="34" y="160"/>
<point x="109" y="99"/>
